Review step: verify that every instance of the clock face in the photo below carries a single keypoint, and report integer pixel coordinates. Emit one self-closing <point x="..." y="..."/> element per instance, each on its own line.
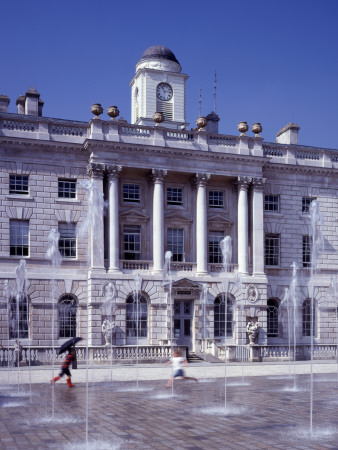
<point x="164" y="92"/>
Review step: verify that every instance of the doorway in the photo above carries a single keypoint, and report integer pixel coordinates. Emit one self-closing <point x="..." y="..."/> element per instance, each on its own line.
<point x="183" y="320"/>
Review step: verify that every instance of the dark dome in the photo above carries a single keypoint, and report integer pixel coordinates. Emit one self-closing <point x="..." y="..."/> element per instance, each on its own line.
<point x="159" y="52"/>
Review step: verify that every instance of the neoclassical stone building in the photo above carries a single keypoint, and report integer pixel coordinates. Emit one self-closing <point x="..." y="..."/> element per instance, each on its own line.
<point x="122" y="194"/>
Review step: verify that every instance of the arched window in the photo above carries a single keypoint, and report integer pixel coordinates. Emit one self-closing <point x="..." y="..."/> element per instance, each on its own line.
<point x="306" y="318"/>
<point x="272" y="317"/>
<point x="219" y="317"/>
<point x="136" y="317"/>
<point x="18" y="317"/>
<point x="67" y="317"/>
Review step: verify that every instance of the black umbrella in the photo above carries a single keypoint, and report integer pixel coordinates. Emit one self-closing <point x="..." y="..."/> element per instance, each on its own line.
<point x="70" y="343"/>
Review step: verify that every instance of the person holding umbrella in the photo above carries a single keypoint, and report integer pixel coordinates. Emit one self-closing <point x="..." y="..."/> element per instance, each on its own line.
<point x="68" y="346"/>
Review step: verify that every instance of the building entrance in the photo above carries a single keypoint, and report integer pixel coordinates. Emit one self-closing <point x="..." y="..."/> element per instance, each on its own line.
<point x="183" y="319"/>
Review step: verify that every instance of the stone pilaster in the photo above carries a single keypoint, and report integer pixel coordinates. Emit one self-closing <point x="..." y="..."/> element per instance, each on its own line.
<point x="158" y="219"/>
<point x="95" y="214"/>
<point x="113" y="195"/>
<point x="201" y="181"/>
<point x="258" y="225"/>
<point x="243" y="184"/>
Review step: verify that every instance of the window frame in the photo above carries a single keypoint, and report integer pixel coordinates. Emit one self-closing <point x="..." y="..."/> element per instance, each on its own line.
<point x="173" y="202"/>
<point x="272" y="318"/>
<point x="23" y="236"/>
<point x="305" y="205"/>
<point x="131" y="251"/>
<point x="306" y="318"/>
<point x="219" y="191"/>
<point x="130" y="201"/>
<point x="69" y="324"/>
<point x="219" y="317"/>
<point x="171" y="248"/>
<point x="14" y="182"/>
<point x="306" y="250"/>
<point x="72" y="244"/>
<point x="275" y="237"/>
<point x="68" y="192"/>
<point x="137" y="320"/>
<point x="271" y="203"/>
<point x="217" y="254"/>
<point x="23" y="307"/>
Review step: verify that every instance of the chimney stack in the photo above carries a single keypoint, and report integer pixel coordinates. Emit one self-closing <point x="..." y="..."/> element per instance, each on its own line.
<point x="20" y="103"/>
<point x="4" y="102"/>
<point x="288" y="134"/>
<point x="212" y="125"/>
<point x="32" y="102"/>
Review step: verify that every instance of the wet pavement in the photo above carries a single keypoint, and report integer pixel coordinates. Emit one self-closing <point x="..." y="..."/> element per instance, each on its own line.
<point x="262" y="412"/>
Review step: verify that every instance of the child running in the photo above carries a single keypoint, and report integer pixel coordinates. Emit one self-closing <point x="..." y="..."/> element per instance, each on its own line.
<point x="71" y="356"/>
<point x="178" y="362"/>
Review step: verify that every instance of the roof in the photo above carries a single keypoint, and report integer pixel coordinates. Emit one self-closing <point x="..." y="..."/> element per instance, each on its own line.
<point x="158" y="52"/>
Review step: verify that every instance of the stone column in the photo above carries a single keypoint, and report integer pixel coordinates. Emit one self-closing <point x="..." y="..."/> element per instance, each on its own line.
<point x="95" y="216"/>
<point x="243" y="183"/>
<point x="201" y="223"/>
<point x="258" y="225"/>
<point x="158" y="220"/>
<point x="113" y="178"/>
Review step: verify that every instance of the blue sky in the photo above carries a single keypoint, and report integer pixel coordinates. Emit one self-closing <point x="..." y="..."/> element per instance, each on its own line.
<point x="276" y="61"/>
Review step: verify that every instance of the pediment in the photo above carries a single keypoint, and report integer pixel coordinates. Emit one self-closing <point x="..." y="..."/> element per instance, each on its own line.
<point x="177" y="217"/>
<point x="219" y="218"/>
<point x="134" y="214"/>
<point x="184" y="284"/>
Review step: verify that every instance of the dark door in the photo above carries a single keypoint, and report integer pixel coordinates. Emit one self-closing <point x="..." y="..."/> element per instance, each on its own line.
<point x="183" y="319"/>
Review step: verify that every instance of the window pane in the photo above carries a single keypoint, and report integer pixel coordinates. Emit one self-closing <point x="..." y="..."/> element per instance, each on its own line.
<point x="174" y="196"/>
<point x="132" y="242"/>
<point x="131" y="193"/>
<point x="272" y="318"/>
<point x="306" y="202"/>
<point x="67" y="317"/>
<point x="18" y="317"/>
<point x="272" y="250"/>
<point x="216" y="199"/>
<point x="18" y="184"/>
<point x="306" y="251"/>
<point x="271" y="203"/>
<point x="67" y="240"/>
<point x="219" y="317"/>
<point x="306" y="316"/>
<point x="19" y="237"/>
<point x="215" y="253"/>
<point x="67" y="188"/>
<point x="136" y="317"/>
<point x="175" y="243"/>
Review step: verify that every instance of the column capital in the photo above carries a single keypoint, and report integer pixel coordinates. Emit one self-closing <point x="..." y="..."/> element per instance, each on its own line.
<point x="113" y="170"/>
<point x="243" y="183"/>
<point x="158" y="175"/>
<point x="201" y="179"/>
<point x="258" y="184"/>
<point x="95" y="170"/>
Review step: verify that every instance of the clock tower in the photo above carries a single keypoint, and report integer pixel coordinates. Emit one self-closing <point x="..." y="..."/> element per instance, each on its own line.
<point x="158" y="86"/>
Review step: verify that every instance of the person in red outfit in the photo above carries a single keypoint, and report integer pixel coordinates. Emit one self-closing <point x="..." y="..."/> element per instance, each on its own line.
<point x="71" y="356"/>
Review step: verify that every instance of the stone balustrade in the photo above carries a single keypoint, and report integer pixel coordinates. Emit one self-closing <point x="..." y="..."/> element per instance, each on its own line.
<point x="44" y="128"/>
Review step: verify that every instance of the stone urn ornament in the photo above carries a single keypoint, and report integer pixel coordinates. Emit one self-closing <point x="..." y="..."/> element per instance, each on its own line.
<point x="257" y="128"/>
<point x="113" y="112"/>
<point x="252" y="331"/>
<point x="96" y="109"/>
<point x="201" y="123"/>
<point x="243" y="128"/>
<point x="158" y="117"/>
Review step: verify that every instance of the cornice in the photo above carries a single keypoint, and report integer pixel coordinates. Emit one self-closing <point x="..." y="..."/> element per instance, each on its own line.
<point x="292" y="168"/>
<point x="37" y="143"/>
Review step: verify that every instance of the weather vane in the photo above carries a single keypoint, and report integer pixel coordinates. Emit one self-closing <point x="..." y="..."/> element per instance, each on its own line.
<point x="200" y="103"/>
<point x="215" y="80"/>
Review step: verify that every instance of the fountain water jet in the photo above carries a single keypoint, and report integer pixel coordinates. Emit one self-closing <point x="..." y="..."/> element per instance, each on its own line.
<point x="55" y="257"/>
<point x="167" y="273"/>
<point x="226" y="248"/>
<point x="317" y="246"/>
<point x="137" y="295"/>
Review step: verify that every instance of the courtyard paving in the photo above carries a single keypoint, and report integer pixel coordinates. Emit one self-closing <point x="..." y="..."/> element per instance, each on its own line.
<point x="268" y="411"/>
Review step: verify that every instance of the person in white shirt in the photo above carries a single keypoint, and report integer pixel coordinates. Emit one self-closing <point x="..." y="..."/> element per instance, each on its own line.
<point x="178" y="362"/>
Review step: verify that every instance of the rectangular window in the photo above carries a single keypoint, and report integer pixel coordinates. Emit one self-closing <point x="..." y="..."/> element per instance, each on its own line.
<point x="271" y="203"/>
<point x="66" y="188"/>
<point x="175" y="243"/>
<point x="18" y="184"/>
<point x="307" y="251"/>
<point x="272" y="246"/>
<point x="19" y="237"/>
<point x="131" y="193"/>
<point x="216" y="199"/>
<point x="306" y="202"/>
<point x="215" y="253"/>
<point x="174" y="196"/>
<point x="67" y="240"/>
<point x="132" y="242"/>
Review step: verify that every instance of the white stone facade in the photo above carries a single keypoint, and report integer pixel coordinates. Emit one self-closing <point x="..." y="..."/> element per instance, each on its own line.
<point x="161" y="190"/>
